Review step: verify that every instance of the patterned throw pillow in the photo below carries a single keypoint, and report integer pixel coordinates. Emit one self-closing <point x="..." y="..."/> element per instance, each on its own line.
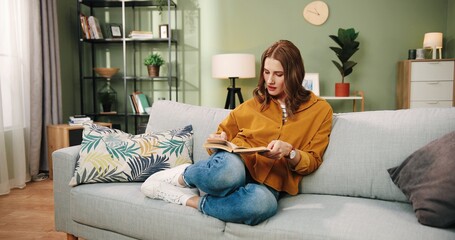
<point x="110" y="155"/>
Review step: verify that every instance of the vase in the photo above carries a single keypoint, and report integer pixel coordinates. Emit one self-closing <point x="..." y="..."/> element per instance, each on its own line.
<point x="341" y="89"/>
<point x="107" y="97"/>
<point x="154" y="71"/>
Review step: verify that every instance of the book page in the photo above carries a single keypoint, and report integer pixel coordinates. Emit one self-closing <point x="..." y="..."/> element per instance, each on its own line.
<point x="251" y="150"/>
<point x="219" y="143"/>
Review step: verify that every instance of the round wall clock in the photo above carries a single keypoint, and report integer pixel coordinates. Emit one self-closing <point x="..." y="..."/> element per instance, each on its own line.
<point x="316" y="12"/>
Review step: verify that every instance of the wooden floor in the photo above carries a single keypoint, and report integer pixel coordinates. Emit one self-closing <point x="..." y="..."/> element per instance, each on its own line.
<point x="29" y="213"/>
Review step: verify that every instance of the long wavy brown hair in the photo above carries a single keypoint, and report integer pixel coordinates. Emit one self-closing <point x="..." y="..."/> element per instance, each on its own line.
<point x="289" y="56"/>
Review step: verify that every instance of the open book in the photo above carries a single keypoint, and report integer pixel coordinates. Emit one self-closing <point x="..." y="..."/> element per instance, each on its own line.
<point x="218" y="143"/>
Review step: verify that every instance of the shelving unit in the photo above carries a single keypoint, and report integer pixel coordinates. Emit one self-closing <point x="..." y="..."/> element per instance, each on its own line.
<point x="127" y="54"/>
<point x="358" y="95"/>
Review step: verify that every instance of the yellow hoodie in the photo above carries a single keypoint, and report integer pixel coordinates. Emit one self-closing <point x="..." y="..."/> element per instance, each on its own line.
<point x="307" y="131"/>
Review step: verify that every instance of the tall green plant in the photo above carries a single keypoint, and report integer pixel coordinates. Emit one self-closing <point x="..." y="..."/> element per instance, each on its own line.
<point x="348" y="46"/>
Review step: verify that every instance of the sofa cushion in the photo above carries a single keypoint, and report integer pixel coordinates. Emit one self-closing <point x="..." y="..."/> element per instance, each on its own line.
<point x="427" y="178"/>
<point x="314" y="216"/>
<point x="204" y="120"/>
<point x="304" y="216"/>
<point x="123" y="208"/>
<point x="110" y="155"/>
<point x="363" y="145"/>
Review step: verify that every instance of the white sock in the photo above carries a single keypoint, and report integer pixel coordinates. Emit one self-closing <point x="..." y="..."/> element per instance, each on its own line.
<point x="178" y="182"/>
<point x="184" y="199"/>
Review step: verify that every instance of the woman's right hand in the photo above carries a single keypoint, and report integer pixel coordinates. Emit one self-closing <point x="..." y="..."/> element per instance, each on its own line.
<point x="222" y="135"/>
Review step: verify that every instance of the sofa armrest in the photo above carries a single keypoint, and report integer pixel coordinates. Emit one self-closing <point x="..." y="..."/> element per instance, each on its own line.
<point x="64" y="162"/>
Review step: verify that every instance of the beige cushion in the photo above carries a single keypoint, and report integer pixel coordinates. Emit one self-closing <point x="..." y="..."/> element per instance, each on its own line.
<point x="110" y="155"/>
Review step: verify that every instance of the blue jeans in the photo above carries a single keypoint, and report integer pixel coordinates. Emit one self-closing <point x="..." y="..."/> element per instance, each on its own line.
<point x="232" y="195"/>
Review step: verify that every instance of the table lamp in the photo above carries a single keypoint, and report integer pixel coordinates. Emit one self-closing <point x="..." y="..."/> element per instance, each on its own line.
<point x="233" y="66"/>
<point x="433" y="40"/>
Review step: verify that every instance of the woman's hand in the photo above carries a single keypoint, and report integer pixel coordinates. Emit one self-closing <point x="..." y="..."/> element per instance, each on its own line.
<point x="222" y="135"/>
<point x="278" y="149"/>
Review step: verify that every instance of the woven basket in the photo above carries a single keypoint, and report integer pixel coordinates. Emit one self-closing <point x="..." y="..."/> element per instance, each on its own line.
<point x="106" y="72"/>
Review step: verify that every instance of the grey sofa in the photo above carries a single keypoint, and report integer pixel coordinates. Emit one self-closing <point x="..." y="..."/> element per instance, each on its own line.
<point x="351" y="196"/>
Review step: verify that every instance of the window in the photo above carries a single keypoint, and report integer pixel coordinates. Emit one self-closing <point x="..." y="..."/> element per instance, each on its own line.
<point x="14" y="44"/>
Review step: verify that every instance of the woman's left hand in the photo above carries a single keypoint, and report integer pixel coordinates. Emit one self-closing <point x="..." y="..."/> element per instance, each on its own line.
<point x="278" y="149"/>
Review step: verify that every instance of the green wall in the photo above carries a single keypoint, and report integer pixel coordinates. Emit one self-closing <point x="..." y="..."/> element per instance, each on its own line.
<point x="388" y="28"/>
<point x="450" y="30"/>
<point x="69" y="63"/>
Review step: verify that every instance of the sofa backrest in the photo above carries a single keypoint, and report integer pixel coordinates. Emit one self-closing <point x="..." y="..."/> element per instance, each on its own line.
<point x="167" y="115"/>
<point x="364" y="145"/>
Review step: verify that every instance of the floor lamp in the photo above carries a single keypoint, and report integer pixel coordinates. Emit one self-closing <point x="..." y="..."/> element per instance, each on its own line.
<point x="233" y="66"/>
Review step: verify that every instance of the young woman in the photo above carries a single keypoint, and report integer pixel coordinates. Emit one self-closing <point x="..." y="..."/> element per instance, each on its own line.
<point x="291" y="121"/>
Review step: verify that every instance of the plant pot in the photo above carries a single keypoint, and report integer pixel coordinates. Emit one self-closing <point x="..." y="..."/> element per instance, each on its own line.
<point x="342" y="89"/>
<point x="154" y="71"/>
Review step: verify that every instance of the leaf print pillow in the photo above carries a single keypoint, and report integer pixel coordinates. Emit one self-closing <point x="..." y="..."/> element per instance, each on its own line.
<point x="110" y="155"/>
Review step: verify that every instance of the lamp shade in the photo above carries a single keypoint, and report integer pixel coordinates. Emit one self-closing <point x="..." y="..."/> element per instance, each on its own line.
<point x="234" y="65"/>
<point x="432" y="40"/>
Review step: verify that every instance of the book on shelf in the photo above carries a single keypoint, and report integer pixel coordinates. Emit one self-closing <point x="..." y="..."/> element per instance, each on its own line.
<point x="78" y="120"/>
<point x="140" y="102"/>
<point x="144" y="102"/>
<point x="218" y="143"/>
<point x="79" y="124"/>
<point x="95" y="28"/>
<point x="140" y="109"/>
<point x="140" y="34"/>
<point x="79" y="117"/>
<point x="84" y="26"/>
<point x="133" y="104"/>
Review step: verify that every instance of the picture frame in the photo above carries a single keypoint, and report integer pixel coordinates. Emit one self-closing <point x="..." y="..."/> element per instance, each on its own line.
<point x="115" y="30"/>
<point x="164" y="30"/>
<point x="311" y="82"/>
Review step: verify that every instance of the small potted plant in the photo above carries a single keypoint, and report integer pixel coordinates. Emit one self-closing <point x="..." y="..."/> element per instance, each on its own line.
<point x="153" y="63"/>
<point x="161" y="4"/>
<point x="347" y="47"/>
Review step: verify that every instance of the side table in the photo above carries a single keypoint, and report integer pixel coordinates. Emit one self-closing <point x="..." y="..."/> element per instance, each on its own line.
<point x="64" y="135"/>
<point x="358" y="95"/>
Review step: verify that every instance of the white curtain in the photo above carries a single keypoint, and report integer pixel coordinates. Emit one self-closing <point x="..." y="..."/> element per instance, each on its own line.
<point x="19" y="60"/>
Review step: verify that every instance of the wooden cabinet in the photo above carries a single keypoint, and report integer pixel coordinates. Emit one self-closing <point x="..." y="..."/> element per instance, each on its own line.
<point x="64" y="135"/>
<point x="425" y="83"/>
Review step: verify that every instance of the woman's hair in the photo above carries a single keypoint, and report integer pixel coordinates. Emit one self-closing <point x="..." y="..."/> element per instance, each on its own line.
<point x="289" y="56"/>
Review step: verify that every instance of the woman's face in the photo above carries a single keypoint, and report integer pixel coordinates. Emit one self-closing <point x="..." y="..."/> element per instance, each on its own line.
<point x="274" y="78"/>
